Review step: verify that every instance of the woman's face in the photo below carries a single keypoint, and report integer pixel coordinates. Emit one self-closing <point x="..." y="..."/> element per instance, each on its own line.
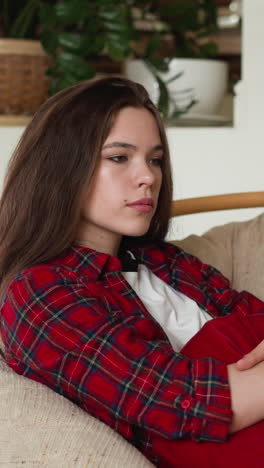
<point x="123" y="196"/>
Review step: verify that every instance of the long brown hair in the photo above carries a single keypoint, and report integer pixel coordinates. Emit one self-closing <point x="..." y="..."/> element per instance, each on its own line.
<point x="54" y="162"/>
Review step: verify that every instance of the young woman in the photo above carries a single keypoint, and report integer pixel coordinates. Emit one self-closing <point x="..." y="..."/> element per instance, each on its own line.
<point x="96" y="305"/>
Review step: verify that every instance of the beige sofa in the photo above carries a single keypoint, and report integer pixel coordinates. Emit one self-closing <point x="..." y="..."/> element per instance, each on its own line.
<point x="40" y="428"/>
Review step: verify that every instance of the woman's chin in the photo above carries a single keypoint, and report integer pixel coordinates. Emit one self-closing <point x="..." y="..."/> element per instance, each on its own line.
<point x="136" y="232"/>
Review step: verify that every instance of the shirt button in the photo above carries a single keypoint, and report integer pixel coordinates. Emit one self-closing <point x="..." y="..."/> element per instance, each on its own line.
<point x="185" y="404"/>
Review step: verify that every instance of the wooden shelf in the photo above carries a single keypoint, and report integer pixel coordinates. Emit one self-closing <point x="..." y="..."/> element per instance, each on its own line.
<point x="229" y="41"/>
<point x="14" y="120"/>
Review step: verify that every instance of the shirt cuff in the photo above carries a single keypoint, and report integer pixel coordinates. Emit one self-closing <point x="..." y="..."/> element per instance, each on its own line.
<point x="208" y="410"/>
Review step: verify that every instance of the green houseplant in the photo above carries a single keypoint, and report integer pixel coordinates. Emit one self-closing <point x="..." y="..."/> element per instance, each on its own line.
<point x="184" y="42"/>
<point x="73" y="34"/>
<point x="77" y="33"/>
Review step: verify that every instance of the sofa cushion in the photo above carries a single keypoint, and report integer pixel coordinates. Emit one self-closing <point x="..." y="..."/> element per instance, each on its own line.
<point x="39" y="427"/>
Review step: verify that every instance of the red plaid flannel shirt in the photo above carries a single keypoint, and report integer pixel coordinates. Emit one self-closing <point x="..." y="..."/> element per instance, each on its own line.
<point x="76" y="325"/>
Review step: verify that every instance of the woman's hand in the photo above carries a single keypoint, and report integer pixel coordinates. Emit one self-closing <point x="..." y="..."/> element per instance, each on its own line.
<point x="247" y="395"/>
<point x="251" y="359"/>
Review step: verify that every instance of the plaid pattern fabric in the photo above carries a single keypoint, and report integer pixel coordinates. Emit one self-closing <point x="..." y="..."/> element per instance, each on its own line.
<point x="76" y="325"/>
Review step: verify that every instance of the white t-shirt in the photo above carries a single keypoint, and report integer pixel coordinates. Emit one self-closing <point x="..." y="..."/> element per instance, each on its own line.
<point x="179" y="316"/>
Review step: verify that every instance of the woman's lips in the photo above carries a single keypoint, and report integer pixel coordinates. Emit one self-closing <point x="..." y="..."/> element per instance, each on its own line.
<point x="144" y="205"/>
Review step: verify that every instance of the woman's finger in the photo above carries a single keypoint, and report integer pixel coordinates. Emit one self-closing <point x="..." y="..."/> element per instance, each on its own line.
<point x="252" y="358"/>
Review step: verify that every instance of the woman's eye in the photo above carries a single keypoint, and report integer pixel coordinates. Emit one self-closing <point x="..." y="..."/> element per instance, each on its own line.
<point x="156" y="162"/>
<point x="118" y="159"/>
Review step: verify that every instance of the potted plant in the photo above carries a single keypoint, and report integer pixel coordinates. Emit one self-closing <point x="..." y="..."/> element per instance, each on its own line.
<point x="78" y="35"/>
<point x="23" y="84"/>
<point x="74" y="34"/>
<point x="191" y="58"/>
<point x="62" y="43"/>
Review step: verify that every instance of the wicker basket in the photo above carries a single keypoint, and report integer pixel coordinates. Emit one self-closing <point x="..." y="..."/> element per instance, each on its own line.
<point x="23" y="84"/>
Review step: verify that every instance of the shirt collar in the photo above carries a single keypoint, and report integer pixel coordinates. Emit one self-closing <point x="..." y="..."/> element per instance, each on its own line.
<point x="88" y="262"/>
<point x="94" y="264"/>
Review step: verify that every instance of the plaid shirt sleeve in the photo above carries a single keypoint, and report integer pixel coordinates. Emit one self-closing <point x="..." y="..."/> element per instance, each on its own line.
<point x="63" y="334"/>
<point x="206" y="285"/>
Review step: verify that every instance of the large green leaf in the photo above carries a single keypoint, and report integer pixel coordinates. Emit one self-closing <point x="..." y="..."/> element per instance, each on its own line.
<point x="164" y="98"/>
<point x="116" y="13"/>
<point x="119" y="27"/>
<point x="118" y="50"/>
<point x="72" y="11"/>
<point x="75" y="66"/>
<point x="75" y="42"/>
<point x="117" y="19"/>
<point x="121" y="38"/>
<point x="61" y="82"/>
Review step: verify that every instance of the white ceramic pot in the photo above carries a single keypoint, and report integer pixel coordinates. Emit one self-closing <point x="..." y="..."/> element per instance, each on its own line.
<point x="202" y="79"/>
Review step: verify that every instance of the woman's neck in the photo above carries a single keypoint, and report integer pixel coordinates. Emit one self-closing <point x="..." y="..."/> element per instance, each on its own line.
<point x="105" y="242"/>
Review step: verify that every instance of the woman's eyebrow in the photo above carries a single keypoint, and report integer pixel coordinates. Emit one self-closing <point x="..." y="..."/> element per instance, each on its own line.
<point x="122" y="144"/>
<point x="157" y="148"/>
<point x="118" y="144"/>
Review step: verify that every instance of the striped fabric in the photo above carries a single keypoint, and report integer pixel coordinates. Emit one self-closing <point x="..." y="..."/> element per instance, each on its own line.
<point x="76" y="326"/>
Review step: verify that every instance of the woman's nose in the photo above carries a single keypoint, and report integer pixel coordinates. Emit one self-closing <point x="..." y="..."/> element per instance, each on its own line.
<point x="145" y="175"/>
